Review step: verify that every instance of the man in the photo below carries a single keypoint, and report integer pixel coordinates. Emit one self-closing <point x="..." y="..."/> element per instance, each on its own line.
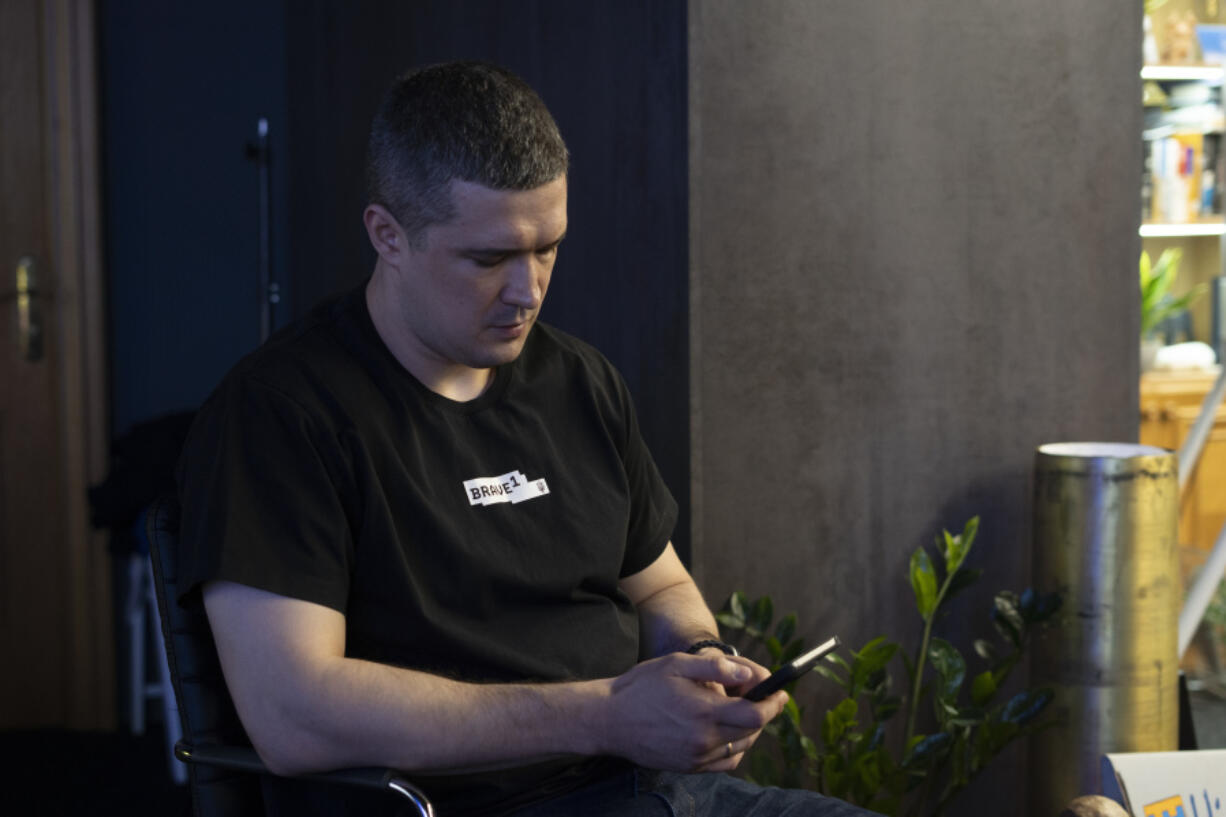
<point x="426" y="530"/>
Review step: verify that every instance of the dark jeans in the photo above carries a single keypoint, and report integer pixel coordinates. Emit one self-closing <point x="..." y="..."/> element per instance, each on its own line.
<point x="644" y="793"/>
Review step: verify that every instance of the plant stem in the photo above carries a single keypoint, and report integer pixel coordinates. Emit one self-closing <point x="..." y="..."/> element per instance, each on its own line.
<point x="913" y="704"/>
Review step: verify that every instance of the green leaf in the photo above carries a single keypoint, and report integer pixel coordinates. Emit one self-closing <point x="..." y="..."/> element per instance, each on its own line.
<point x="983" y="687"/>
<point x="949" y="665"/>
<point x="1156" y="302"/>
<point x="887" y="708"/>
<point x="1025" y="706"/>
<point x="791" y="651"/>
<point x="827" y="672"/>
<point x="786" y="628"/>
<point x="923" y="583"/>
<point x="774" y="648"/>
<point x="846" y="711"/>
<point x="832" y="729"/>
<point x="763" y="769"/>
<point x="963" y="578"/>
<point x="792" y="710"/>
<point x="763" y="612"/>
<point x="1026" y="602"/>
<point x="928" y="750"/>
<point x="1006" y="617"/>
<point x="878" y="684"/>
<point x="810" y="748"/>
<point x="875" y="741"/>
<point x="985" y="649"/>
<point x="1036" y="607"/>
<point x="953" y="552"/>
<point x="958" y="764"/>
<point x="868" y="776"/>
<point x="870" y="661"/>
<point x="732" y="615"/>
<point x="969" y="531"/>
<point x="968" y="716"/>
<point x="833" y="775"/>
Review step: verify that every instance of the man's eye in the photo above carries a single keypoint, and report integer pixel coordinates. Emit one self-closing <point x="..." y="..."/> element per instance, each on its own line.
<point x="487" y="261"/>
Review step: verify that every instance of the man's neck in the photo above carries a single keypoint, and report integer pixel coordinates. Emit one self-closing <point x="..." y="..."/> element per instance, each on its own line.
<point x="453" y="381"/>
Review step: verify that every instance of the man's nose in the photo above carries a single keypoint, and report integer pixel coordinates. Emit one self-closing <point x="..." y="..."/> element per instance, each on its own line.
<point x="524" y="284"/>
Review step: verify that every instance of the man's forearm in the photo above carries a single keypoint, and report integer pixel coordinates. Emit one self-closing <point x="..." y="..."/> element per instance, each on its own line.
<point x="359" y="713"/>
<point x="666" y="713"/>
<point x="675" y="617"/>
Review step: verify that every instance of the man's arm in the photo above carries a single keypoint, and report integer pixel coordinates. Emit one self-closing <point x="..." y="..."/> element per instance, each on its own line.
<point x="307" y="707"/>
<point x="672" y="612"/>
<point x="673" y="615"/>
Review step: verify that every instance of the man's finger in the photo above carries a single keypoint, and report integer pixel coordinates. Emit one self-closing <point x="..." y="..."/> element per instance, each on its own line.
<point x="727" y="757"/>
<point x="732" y="748"/>
<point x="718" y="669"/>
<point x="741" y="714"/>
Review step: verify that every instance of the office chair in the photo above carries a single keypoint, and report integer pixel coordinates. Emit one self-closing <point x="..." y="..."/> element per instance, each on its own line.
<point x="224" y="769"/>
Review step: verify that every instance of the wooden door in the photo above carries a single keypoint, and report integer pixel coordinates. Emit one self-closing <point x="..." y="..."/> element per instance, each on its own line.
<point x="55" y="612"/>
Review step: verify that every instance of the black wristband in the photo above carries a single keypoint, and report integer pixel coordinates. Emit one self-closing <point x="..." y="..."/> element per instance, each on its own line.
<point x="712" y="642"/>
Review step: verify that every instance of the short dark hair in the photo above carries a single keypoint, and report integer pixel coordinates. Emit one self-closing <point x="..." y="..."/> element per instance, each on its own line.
<point x="471" y="121"/>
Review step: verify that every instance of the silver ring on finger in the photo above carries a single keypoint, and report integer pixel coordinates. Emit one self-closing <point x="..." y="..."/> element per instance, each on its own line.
<point x="728" y="750"/>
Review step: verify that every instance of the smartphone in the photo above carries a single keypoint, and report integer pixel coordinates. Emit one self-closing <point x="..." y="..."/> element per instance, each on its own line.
<point x="791" y="671"/>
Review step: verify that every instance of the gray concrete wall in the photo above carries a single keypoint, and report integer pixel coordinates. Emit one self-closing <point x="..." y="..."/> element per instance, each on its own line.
<point x="913" y="260"/>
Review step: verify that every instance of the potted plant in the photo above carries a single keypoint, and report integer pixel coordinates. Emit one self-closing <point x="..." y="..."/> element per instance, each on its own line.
<point x="968" y="717"/>
<point x="1157" y="303"/>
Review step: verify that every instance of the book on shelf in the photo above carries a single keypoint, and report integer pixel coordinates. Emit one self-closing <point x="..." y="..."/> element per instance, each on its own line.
<point x="1182" y="178"/>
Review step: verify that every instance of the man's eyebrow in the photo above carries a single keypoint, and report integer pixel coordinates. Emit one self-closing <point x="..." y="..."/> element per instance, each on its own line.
<point x="496" y="250"/>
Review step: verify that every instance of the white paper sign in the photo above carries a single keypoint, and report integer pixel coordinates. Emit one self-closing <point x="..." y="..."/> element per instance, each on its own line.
<point x="1168" y="784"/>
<point x="511" y="487"/>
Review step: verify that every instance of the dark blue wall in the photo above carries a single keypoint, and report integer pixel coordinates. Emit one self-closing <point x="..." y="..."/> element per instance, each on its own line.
<point x="182" y="88"/>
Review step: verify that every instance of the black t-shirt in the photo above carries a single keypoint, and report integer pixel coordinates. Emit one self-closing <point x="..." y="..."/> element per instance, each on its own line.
<point x="480" y="540"/>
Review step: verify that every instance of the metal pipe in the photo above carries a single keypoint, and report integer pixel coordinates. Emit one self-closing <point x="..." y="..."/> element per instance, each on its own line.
<point x="1194" y="443"/>
<point x="1106" y="518"/>
<point x="269" y="290"/>
<point x="1200" y="594"/>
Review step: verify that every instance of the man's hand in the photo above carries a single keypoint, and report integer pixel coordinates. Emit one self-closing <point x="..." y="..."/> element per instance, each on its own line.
<point x="672" y="712"/>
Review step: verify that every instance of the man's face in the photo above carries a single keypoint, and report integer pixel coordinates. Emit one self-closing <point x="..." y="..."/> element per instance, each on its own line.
<point x="470" y="296"/>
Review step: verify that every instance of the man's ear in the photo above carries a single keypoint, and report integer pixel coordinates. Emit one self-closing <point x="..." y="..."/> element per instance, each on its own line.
<point x="385" y="233"/>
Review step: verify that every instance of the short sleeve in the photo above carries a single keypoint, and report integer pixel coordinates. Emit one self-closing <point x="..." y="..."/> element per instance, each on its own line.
<point x="653" y="510"/>
<point x="261" y="494"/>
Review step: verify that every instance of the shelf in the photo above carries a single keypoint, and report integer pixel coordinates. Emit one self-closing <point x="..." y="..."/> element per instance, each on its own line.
<point x="1178" y="73"/>
<point x="1190" y="229"/>
<point x="1163" y="131"/>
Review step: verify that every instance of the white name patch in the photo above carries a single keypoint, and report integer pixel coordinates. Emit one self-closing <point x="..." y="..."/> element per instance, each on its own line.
<point x="511" y="487"/>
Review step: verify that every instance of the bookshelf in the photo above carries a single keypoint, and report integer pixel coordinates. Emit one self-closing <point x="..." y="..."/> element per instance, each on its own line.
<point x="1183" y="192"/>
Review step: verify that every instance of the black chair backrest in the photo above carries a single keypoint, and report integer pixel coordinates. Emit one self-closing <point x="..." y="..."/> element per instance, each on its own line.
<point x="206" y="710"/>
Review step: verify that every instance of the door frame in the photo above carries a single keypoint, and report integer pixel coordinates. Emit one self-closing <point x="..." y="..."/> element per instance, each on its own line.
<point x="74" y="203"/>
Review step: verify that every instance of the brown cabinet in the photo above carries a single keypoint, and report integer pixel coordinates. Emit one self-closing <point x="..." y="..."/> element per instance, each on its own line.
<point x="1170" y="404"/>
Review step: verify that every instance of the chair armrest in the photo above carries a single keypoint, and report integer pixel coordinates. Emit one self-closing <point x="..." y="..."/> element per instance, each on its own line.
<point x="245" y="759"/>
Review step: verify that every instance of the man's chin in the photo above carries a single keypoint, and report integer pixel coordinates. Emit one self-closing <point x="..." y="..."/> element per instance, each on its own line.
<point x="500" y="354"/>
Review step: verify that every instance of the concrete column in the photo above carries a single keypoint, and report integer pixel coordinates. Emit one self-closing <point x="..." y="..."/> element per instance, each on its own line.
<point x="913" y="259"/>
